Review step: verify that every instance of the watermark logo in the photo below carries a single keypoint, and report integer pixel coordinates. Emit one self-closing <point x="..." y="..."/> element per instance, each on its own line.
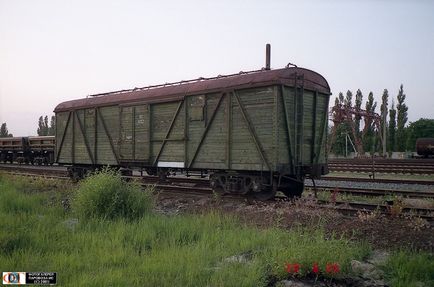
<point x="30" y="278"/>
<point x="14" y="278"/>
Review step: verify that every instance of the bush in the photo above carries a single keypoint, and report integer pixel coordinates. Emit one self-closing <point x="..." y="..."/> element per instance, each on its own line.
<point x="105" y="195"/>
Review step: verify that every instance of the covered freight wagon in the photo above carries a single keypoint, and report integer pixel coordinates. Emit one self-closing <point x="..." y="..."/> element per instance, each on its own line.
<point x="254" y="132"/>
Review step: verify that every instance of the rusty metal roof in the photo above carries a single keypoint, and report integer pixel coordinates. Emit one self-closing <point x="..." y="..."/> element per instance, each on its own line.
<point x="175" y="91"/>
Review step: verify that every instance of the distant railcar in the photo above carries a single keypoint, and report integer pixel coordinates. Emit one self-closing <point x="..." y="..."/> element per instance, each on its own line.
<point x="425" y="147"/>
<point x="254" y="132"/>
<point x="42" y="149"/>
<point x="28" y="150"/>
<point x="13" y="149"/>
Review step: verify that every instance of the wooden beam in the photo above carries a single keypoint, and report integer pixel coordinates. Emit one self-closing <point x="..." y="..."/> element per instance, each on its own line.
<point x="86" y="143"/>
<point x="323" y="131"/>
<point x="96" y="136"/>
<point x="288" y="134"/>
<point x="252" y="132"/>
<point x="312" y="148"/>
<point x="229" y="129"/>
<point x="276" y="124"/>
<point x="108" y="136"/>
<point x="168" y="132"/>
<point x="296" y="147"/>
<point x="134" y="131"/>
<point x="301" y="115"/>
<point x="186" y="121"/>
<point x="73" y="138"/>
<point x="63" y="136"/>
<point x="205" y="131"/>
<point x="150" y="148"/>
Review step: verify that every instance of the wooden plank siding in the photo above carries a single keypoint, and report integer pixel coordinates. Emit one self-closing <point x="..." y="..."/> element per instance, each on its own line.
<point x="245" y="129"/>
<point x="212" y="151"/>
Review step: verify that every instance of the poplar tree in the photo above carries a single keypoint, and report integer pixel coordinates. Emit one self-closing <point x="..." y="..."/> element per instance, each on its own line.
<point x="392" y="128"/>
<point x="368" y="135"/>
<point x="349" y="99"/>
<point x="46" y="129"/>
<point x="358" y="107"/>
<point x="384" y="104"/>
<point x="341" y="129"/>
<point x="402" y="117"/>
<point x="52" y="128"/>
<point x="4" y="131"/>
<point x="43" y="126"/>
<point x="341" y="98"/>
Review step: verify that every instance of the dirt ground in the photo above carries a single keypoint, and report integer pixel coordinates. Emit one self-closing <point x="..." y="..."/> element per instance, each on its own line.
<point x="381" y="231"/>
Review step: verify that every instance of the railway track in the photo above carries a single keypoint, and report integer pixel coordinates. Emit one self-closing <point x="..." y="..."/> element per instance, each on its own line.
<point x="353" y="208"/>
<point x="34" y="170"/>
<point x="62" y="171"/>
<point x="378" y="180"/>
<point x="385" y="169"/>
<point x="419" y="166"/>
<point x="194" y="187"/>
<point x="374" y="192"/>
<point x="203" y="183"/>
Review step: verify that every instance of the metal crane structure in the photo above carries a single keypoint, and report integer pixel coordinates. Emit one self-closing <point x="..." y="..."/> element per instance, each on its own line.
<point x="341" y="113"/>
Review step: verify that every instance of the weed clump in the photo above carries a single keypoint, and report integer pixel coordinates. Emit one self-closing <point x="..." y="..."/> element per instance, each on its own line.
<point x="105" y="195"/>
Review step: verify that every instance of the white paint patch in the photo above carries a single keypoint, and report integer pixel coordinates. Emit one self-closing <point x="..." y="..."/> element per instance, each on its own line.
<point x="178" y="164"/>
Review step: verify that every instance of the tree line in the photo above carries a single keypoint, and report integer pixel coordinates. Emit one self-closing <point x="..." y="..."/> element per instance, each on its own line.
<point x="4" y="133"/>
<point x="44" y="129"/>
<point x="400" y="137"/>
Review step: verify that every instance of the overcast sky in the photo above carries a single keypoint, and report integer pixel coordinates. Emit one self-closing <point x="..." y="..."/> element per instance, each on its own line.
<point x="53" y="51"/>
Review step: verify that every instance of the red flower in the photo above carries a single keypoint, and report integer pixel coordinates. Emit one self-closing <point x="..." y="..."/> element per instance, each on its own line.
<point x="315" y="268"/>
<point x="292" y="267"/>
<point x="332" y="268"/>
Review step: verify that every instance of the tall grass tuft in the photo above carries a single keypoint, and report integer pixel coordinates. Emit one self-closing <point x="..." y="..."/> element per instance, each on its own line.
<point x="405" y="268"/>
<point x="105" y="195"/>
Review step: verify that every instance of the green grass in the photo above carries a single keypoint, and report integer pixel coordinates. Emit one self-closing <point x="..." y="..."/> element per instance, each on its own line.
<point x="152" y="249"/>
<point x="405" y="269"/>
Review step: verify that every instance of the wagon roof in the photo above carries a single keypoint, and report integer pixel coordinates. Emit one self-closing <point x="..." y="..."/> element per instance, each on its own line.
<point x="11" y="138"/>
<point x="41" y="137"/>
<point x="172" y="92"/>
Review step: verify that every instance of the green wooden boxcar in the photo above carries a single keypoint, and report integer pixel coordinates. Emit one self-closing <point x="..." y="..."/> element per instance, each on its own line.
<point x="254" y="132"/>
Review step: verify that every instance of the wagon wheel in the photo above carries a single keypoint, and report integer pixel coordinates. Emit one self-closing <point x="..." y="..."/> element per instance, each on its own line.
<point x="293" y="189"/>
<point x="266" y="193"/>
<point x="151" y="171"/>
<point x="218" y="186"/>
<point x="219" y="190"/>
